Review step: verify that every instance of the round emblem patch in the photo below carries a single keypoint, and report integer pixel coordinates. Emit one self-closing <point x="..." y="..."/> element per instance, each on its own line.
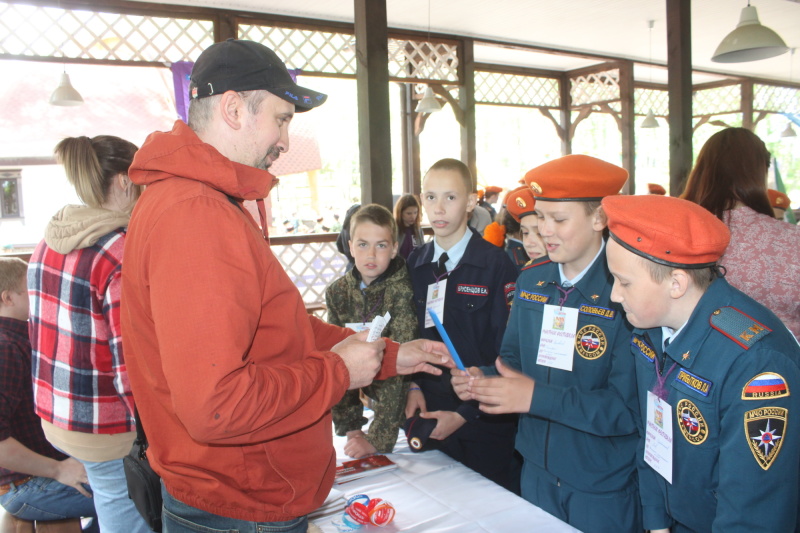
<point x="415" y="443"/>
<point x="521" y="203"/>
<point x="536" y="188"/>
<point x="590" y="342"/>
<point x="691" y="422"/>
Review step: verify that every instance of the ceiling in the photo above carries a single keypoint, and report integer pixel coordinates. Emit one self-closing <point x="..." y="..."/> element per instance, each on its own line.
<point x="616" y="28"/>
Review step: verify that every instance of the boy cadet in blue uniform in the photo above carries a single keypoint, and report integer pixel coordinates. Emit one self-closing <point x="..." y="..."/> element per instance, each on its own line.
<point x="576" y="389"/>
<point x="468" y="282"/>
<point x="719" y="451"/>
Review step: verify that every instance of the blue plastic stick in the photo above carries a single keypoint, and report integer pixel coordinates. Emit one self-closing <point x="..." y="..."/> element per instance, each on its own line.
<point x="446" y="339"/>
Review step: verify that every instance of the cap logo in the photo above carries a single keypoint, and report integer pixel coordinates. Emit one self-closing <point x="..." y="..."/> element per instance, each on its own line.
<point x="536" y="188"/>
<point x="521" y="203"/>
<point x="210" y="89"/>
<point x="415" y="443"/>
<point x="194" y="92"/>
<point x="779" y="200"/>
<point x="290" y="95"/>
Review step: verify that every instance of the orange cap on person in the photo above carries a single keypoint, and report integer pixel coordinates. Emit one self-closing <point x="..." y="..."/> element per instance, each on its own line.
<point x="520" y="202"/>
<point x="655" y="188"/>
<point x="778" y="199"/>
<point x="493" y="189"/>
<point x="576" y="177"/>
<point x="666" y="230"/>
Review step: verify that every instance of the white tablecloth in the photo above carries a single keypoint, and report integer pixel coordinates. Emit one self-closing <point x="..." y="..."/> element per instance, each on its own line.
<point x="432" y="493"/>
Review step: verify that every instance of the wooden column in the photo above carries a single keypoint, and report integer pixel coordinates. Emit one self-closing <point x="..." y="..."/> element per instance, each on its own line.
<point x="372" y="72"/>
<point x="466" y="100"/>
<point x="627" y="125"/>
<point x="566" y="114"/>
<point x="747" y="104"/>
<point x="679" y="86"/>
<point x="412" y="175"/>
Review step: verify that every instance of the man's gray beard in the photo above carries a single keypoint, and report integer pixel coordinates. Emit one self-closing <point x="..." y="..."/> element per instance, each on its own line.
<point x="266" y="162"/>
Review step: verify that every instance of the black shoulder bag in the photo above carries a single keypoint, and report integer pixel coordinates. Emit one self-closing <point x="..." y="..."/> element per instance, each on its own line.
<point x="144" y="485"/>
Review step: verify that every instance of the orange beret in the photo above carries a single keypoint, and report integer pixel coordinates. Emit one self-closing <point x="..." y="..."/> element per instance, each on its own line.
<point x="666" y="230"/>
<point x="778" y="199"/>
<point x="655" y="188"/>
<point x="520" y="202"/>
<point x="575" y="177"/>
<point x="493" y="189"/>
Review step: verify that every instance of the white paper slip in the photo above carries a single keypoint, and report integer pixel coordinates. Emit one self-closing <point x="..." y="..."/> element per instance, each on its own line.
<point x="378" y="324"/>
<point x="658" y="438"/>
<point x="358" y="327"/>
<point x="557" y="339"/>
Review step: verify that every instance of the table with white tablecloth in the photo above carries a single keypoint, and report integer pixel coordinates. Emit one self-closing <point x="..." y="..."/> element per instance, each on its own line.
<point x="432" y="493"/>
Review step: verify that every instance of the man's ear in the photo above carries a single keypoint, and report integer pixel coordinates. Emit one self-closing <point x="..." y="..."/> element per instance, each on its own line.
<point x="679" y="282"/>
<point x="599" y="219"/>
<point x="472" y="201"/>
<point x="231" y="107"/>
<point x="5" y="299"/>
<point x="395" y="247"/>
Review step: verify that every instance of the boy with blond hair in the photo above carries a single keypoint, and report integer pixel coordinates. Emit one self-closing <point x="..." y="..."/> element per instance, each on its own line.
<point x="565" y="364"/>
<point x="468" y="282"/>
<point x="720" y="447"/>
<point x="378" y="283"/>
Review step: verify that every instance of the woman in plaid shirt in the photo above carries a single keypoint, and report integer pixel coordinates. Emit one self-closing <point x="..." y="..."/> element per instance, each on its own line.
<point x="80" y="384"/>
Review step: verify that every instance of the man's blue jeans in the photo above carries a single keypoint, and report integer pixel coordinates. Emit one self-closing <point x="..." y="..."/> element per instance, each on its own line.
<point x="43" y="498"/>
<point x="115" y="511"/>
<point x="181" y="518"/>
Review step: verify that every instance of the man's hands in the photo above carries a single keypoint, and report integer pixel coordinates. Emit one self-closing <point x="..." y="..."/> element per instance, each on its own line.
<point x="362" y="359"/>
<point x="420" y="355"/>
<point x="72" y="473"/>
<point x="415" y="401"/>
<point x="357" y="445"/>
<point x="447" y="423"/>
<point x="511" y="392"/>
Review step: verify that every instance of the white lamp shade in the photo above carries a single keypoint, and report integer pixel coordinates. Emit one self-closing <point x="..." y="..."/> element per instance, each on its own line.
<point x="789" y="131"/>
<point x="65" y="94"/>
<point x="649" y="121"/>
<point x="750" y="41"/>
<point x="428" y="104"/>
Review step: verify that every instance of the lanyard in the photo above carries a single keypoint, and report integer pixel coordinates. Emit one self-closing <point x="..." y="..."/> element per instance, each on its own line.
<point x="562" y="299"/>
<point x="660" y="389"/>
<point x="371" y="312"/>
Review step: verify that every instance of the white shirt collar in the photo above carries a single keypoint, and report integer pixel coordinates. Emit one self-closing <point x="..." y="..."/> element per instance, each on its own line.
<point x="576" y="279"/>
<point x="455" y="253"/>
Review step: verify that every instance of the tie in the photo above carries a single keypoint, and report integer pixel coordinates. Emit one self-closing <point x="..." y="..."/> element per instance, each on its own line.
<point x="441" y="269"/>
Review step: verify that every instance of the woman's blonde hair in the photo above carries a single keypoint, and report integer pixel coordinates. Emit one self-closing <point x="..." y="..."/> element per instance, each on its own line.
<point x="92" y="164"/>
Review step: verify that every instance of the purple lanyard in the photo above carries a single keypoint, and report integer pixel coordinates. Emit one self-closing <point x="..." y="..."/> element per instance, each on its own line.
<point x="660" y="389"/>
<point x="564" y="293"/>
<point x="371" y="312"/>
<point x="444" y="275"/>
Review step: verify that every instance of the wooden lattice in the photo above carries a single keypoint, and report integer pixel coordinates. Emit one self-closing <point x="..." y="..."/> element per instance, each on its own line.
<point x="646" y="99"/>
<point x="27" y="30"/>
<point x="423" y="59"/>
<point x="774" y="99"/>
<point x="717" y="100"/>
<point x="595" y="87"/>
<point x="514" y="89"/>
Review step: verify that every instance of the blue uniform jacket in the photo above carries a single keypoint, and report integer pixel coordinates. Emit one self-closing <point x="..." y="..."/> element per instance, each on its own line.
<point x="475" y="315"/>
<point x="581" y="427"/>
<point x="736" y="454"/>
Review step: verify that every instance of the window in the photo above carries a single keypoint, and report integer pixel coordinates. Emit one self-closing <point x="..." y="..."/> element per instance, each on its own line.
<point x="10" y="205"/>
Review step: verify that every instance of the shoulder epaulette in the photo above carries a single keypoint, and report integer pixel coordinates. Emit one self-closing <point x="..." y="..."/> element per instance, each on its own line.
<point x="739" y="327"/>
<point x="531" y="264"/>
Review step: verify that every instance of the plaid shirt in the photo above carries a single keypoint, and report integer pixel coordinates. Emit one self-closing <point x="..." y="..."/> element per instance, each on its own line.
<point x="17" y="418"/>
<point x="79" y="378"/>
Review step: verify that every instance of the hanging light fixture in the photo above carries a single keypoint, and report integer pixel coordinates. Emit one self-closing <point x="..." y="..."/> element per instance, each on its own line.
<point x="749" y="41"/>
<point x="650" y="120"/>
<point x="429" y="103"/>
<point x="789" y="131"/>
<point x="65" y="94"/>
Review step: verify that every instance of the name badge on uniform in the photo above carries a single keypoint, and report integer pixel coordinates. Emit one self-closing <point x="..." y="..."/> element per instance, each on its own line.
<point x="435" y="301"/>
<point x="358" y="326"/>
<point x="658" y="438"/>
<point x="557" y="338"/>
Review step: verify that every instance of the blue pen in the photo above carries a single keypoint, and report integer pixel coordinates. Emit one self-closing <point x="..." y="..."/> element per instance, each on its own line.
<point x="446" y="339"/>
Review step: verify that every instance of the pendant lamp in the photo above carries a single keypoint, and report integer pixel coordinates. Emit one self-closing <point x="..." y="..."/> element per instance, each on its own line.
<point x="749" y="41"/>
<point x="649" y="121"/>
<point x="429" y="103"/>
<point x="789" y="131"/>
<point x="65" y="94"/>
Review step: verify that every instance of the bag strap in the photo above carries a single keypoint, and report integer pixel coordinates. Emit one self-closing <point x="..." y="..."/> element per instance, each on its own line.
<point x="141" y="437"/>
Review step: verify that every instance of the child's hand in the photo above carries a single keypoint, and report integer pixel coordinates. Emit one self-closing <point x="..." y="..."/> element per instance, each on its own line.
<point x="415" y="400"/>
<point x="512" y="392"/>
<point x="447" y="423"/>
<point x="357" y="446"/>
<point x="462" y="381"/>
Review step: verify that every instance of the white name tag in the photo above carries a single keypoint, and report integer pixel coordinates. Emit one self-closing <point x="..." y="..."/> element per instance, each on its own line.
<point x="658" y="438"/>
<point x="435" y="301"/>
<point x="557" y="339"/>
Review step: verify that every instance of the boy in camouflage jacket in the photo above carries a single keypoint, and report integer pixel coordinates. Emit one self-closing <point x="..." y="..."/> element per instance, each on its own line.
<point x="379" y="282"/>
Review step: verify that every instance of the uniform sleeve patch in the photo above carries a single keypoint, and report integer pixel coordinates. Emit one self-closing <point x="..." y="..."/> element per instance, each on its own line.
<point x="764" y="431"/>
<point x="766" y="385"/>
<point x="694" y="382"/>
<point x="533" y="297"/>
<point x="644" y="349"/>
<point x="472" y="290"/>
<point x="739" y="327"/>
<point x="594" y="310"/>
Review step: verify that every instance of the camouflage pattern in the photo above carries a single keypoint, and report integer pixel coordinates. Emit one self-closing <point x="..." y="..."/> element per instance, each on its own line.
<point x="347" y="303"/>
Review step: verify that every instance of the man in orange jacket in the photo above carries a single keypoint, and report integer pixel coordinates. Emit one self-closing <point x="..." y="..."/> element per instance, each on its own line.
<point x="233" y="380"/>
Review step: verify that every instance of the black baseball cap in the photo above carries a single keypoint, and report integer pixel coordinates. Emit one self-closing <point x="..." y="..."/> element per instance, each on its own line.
<point x="236" y="65"/>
